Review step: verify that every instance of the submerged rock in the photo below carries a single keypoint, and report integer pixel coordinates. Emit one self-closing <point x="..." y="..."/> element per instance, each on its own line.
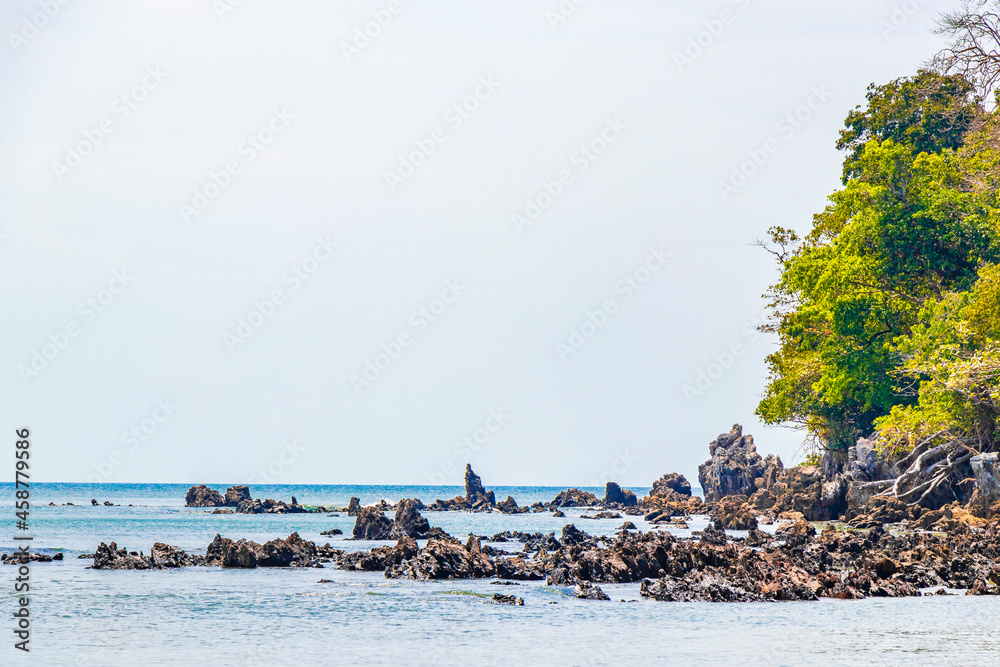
<point x="20" y="558"/>
<point x="587" y="591"/>
<point x="508" y="599"/>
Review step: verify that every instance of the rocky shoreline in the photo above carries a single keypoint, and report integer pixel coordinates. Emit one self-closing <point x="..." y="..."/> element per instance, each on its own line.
<point x="826" y="536"/>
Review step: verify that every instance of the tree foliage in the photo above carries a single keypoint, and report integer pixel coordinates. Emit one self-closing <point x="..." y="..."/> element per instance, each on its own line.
<point x="913" y="225"/>
<point x="927" y="112"/>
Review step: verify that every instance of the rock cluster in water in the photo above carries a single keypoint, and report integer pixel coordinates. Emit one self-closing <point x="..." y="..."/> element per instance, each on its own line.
<point x="884" y="547"/>
<point x="238" y="497"/>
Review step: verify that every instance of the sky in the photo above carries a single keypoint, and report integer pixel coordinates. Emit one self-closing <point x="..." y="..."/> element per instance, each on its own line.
<point x="369" y="243"/>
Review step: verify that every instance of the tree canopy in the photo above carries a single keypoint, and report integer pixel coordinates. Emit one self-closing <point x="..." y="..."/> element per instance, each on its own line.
<point x="900" y="252"/>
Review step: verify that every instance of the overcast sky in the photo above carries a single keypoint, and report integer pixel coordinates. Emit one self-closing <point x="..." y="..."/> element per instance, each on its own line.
<point x="486" y="231"/>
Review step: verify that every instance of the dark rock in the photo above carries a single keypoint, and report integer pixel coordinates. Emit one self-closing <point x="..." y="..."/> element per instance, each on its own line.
<point x="879" y="511"/>
<point x="671" y="482"/>
<point x="110" y="557"/>
<point x="558" y="514"/>
<point x="734" y="513"/>
<point x="575" y="498"/>
<point x="734" y="467"/>
<point x="372" y="524"/>
<point x="21" y="558"/>
<point x="250" y="507"/>
<point x="628" y="525"/>
<point x="108" y="503"/>
<point x="614" y="495"/>
<point x="408" y="520"/>
<point x="474" y="490"/>
<point x="796" y="534"/>
<point x="573" y="535"/>
<point x="165" y="556"/>
<point x="508" y="599"/>
<point x="237" y="494"/>
<point x="354" y="507"/>
<point x="202" y="496"/>
<point x="268" y="506"/>
<point x="443" y="560"/>
<point x="712" y="535"/>
<point x="801" y="489"/>
<point x="335" y="531"/>
<point x="509" y="506"/>
<point x="587" y="591"/>
<point x="290" y="552"/>
<point x="983" y="588"/>
<point x="93" y="502"/>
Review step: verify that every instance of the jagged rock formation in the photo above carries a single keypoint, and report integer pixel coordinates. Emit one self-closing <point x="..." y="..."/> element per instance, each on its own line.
<point x="476" y="496"/>
<point x="615" y="495"/>
<point x="354" y="507"/>
<point x="290" y="552"/>
<point x="733" y="468"/>
<point x="202" y="496"/>
<point x="671" y="482"/>
<point x="575" y="498"/>
<point x="237" y="494"/>
<point x="373" y="524"/>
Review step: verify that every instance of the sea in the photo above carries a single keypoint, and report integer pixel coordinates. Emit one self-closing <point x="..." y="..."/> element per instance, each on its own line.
<point x="210" y="616"/>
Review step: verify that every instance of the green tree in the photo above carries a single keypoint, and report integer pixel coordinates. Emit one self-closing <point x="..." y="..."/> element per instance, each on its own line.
<point x="906" y="229"/>
<point x="928" y="112"/>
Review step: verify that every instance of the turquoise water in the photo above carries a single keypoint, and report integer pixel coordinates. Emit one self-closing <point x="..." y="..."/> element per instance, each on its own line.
<point x="210" y="616"/>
